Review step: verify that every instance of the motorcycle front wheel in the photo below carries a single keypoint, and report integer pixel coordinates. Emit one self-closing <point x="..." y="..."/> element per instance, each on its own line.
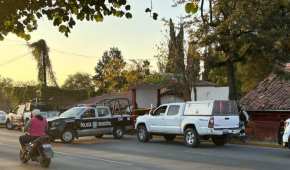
<point x="23" y="156"/>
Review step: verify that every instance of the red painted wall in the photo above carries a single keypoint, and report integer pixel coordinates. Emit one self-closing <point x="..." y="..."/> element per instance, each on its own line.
<point x="264" y="126"/>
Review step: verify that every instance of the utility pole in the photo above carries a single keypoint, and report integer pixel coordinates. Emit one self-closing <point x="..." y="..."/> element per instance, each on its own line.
<point x="44" y="68"/>
<point x="44" y="83"/>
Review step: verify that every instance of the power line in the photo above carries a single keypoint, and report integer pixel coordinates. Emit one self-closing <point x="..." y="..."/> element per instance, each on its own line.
<point x="86" y="56"/>
<point x="12" y="45"/>
<point x="71" y="53"/>
<point x="14" y="59"/>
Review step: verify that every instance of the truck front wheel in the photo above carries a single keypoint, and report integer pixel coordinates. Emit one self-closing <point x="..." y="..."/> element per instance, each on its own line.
<point x="67" y="136"/>
<point x="219" y="140"/>
<point x="142" y="134"/>
<point x="118" y="132"/>
<point x="191" y="138"/>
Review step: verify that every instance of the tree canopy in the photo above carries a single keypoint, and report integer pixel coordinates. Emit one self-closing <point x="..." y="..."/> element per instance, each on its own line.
<point x="21" y="17"/>
<point x="79" y="81"/>
<point x="243" y="36"/>
<point x="110" y="71"/>
<point x="40" y="52"/>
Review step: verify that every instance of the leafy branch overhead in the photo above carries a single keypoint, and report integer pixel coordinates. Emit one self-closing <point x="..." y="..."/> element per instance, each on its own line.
<point x="20" y="17"/>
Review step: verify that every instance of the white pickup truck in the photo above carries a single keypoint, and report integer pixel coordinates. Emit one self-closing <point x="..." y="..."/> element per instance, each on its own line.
<point x="194" y="120"/>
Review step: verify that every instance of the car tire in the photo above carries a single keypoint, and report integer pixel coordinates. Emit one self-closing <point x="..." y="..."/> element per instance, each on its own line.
<point x="118" y="132"/>
<point x="142" y="134"/>
<point x="169" y="138"/>
<point x="191" y="137"/>
<point x="219" y="140"/>
<point x="99" y="136"/>
<point x="9" y="125"/>
<point x="67" y="136"/>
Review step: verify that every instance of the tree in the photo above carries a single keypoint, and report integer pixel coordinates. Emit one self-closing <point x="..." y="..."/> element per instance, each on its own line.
<point x="175" y="62"/>
<point x="5" y="99"/>
<point x="41" y="56"/>
<point x="192" y="68"/>
<point x="110" y="71"/>
<point x="136" y="72"/>
<point x="162" y="56"/>
<point x="242" y="31"/>
<point x="79" y="81"/>
<point x="186" y="75"/>
<point x="20" y="17"/>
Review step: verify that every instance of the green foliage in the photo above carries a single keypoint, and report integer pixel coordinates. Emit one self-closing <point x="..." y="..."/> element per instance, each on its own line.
<point x="191" y="7"/>
<point x="114" y="74"/>
<point x="175" y="62"/>
<point x="110" y="71"/>
<point x="40" y="52"/>
<point x="79" y="81"/>
<point x="157" y="78"/>
<point x="250" y="35"/>
<point x="162" y="56"/>
<point x="137" y="71"/>
<point x="20" y="17"/>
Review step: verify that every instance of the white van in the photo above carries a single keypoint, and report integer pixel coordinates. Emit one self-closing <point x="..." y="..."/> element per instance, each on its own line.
<point x="215" y="119"/>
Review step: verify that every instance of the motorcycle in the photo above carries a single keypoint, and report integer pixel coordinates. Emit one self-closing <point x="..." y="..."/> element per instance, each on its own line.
<point x="40" y="150"/>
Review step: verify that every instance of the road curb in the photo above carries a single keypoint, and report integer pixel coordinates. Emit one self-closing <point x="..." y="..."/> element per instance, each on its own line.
<point x="256" y="143"/>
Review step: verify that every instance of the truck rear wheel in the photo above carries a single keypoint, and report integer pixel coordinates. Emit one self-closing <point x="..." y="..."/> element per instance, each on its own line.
<point x="191" y="138"/>
<point x="118" y="132"/>
<point x="169" y="138"/>
<point x="142" y="134"/>
<point x="9" y="125"/>
<point x="67" y="136"/>
<point x="219" y="140"/>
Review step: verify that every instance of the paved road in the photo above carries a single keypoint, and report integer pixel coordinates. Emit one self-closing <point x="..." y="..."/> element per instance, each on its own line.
<point x="107" y="153"/>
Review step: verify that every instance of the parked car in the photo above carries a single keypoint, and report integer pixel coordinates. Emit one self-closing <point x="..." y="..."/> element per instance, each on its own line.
<point x="194" y="120"/>
<point x="47" y="114"/>
<point x="88" y="121"/>
<point x="3" y="118"/>
<point x="15" y="117"/>
<point x="22" y="113"/>
<point x="286" y="135"/>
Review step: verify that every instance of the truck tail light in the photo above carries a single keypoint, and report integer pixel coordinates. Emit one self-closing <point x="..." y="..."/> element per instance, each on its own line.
<point x="211" y="122"/>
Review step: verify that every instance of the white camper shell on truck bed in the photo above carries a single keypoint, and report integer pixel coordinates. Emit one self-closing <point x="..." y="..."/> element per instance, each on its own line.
<point x="215" y="119"/>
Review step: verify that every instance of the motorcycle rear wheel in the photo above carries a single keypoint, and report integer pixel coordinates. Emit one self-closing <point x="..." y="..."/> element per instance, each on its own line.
<point x="45" y="162"/>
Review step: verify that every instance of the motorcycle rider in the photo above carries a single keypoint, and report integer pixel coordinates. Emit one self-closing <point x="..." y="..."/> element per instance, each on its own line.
<point x="36" y="127"/>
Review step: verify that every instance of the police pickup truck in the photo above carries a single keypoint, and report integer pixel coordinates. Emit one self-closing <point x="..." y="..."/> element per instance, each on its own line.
<point x="88" y="121"/>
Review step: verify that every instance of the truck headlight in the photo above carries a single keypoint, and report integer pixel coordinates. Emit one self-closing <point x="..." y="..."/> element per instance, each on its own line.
<point x="54" y="124"/>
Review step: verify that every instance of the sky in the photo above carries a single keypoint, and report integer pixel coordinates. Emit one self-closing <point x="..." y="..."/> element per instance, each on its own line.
<point x="136" y="38"/>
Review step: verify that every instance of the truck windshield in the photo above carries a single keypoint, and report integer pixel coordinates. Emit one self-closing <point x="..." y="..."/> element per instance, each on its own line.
<point x="73" y="112"/>
<point x="225" y="108"/>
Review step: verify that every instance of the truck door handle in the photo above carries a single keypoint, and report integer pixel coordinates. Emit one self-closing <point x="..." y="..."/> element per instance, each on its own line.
<point x="227" y="118"/>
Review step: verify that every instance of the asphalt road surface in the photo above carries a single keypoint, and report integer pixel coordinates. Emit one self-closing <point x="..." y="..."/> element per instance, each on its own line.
<point x="128" y="154"/>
